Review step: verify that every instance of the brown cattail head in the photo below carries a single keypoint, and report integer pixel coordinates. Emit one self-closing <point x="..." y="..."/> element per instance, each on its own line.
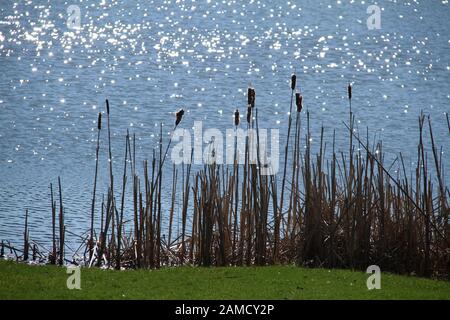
<point x="251" y="97"/>
<point x="107" y="106"/>
<point x="179" y="116"/>
<point x="293" y="81"/>
<point x="99" y="121"/>
<point x="299" y="101"/>
<point x="236" y="117"/>
<point x="349" y="91"/>
<point x="249" y="114"/>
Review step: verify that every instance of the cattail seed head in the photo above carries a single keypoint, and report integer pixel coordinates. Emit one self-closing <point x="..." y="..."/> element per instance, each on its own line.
<point x="179" y="116"/>
<point x="349" y="91"/>
<point x="107" y="106"/>
<point x="251" y="97"/>
<point x="254" y="98"/>
<point x="99" y="121"/>
<point x="236" y="117"/>
<point x="299" y="101"/>
<point x="249" y="114"/>
<point x="293" y="81"/>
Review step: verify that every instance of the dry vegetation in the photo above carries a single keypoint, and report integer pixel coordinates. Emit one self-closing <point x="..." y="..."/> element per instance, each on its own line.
<point x="330" y="209"/>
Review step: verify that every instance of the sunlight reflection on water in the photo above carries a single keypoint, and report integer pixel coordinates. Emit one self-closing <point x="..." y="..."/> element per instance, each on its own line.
<point x="150" y="58"/>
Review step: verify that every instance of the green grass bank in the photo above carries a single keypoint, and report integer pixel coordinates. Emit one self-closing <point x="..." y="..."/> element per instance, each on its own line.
<point x="21" y="281"/>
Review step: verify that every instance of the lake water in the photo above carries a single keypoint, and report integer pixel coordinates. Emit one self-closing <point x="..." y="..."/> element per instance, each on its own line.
<point x="150" y="58"/>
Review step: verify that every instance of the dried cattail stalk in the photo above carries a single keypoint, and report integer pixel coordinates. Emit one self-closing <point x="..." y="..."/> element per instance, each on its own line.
<point x="179" y="116"/>
<point x="25" y="238"/>
<point x="91" y="238"/>
<point x="236" y="117"/>
<point x="293" y="81"/>
<point x="61" y="225"/>
<point x="249" y="114"/>
<point x="298" y="101"/>
<point x="107" y="106"/>
<point x="53" y="254"/>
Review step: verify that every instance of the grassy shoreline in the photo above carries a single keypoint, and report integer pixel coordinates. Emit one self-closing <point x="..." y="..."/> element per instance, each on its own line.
<point x="21" y="281"/>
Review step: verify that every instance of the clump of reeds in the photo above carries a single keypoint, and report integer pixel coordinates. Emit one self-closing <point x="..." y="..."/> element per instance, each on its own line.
<point x="335" y="210"/>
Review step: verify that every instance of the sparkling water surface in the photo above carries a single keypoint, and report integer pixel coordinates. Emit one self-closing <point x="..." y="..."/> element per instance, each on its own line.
<point x="150" y="58"/>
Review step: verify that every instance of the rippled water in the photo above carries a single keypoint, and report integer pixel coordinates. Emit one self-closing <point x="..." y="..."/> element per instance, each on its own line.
<point x="150" y="58"/>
